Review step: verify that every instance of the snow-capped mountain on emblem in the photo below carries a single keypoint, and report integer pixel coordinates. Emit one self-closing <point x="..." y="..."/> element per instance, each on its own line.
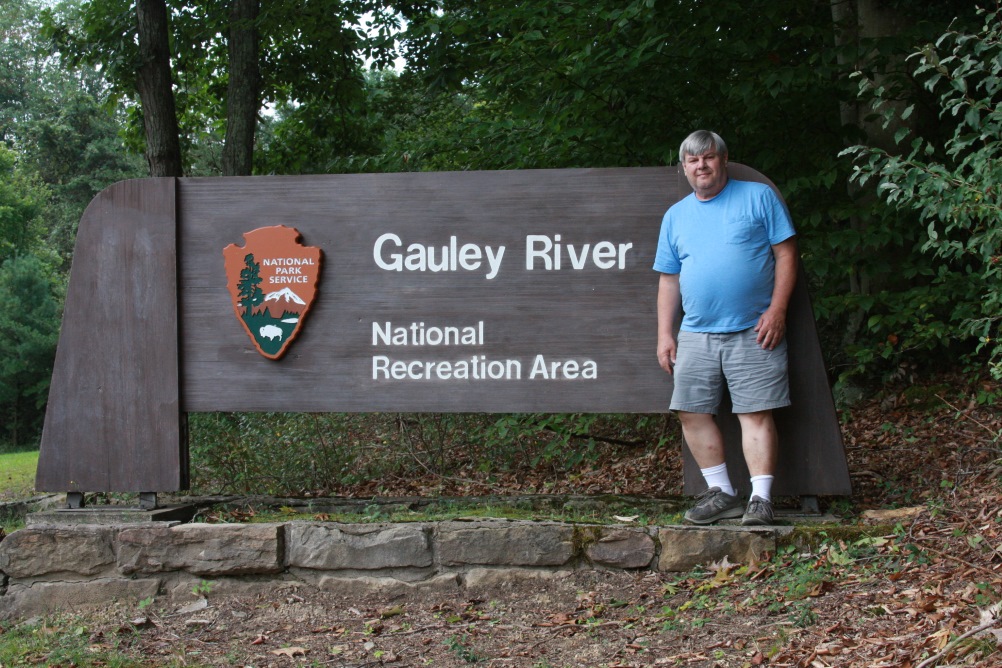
<point x="285" y="293"/>
<point x="272" y="280"/>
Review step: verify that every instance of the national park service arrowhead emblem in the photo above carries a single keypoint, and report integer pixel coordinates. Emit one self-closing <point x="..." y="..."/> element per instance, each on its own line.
<point x="272" y="281"/>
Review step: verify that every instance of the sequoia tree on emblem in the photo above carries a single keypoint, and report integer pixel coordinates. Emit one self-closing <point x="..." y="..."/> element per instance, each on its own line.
<point x="272" y="281"/>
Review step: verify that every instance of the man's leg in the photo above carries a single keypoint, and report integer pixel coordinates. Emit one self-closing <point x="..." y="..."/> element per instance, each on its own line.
<point x="704" y="438"/>
<point x="707" y="446"/>
<point x="760" y="444"/>
<point x="759" y="383"/>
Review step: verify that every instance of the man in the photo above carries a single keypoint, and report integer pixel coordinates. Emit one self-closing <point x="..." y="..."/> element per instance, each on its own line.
<point x="728" y="259"/>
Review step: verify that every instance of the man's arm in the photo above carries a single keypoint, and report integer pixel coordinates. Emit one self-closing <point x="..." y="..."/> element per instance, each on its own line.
<point x="771" y="326"/>
<point x="669" y="309"/>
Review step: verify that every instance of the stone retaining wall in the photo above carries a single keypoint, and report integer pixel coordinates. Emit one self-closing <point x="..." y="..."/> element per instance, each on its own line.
<point x="59" y="567"/>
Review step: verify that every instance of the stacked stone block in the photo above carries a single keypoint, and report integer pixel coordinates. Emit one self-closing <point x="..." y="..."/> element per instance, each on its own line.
<point x="58" y="567"/>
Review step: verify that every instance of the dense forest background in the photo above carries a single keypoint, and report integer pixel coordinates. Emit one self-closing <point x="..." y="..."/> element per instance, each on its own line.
<point x="878" y="119"/>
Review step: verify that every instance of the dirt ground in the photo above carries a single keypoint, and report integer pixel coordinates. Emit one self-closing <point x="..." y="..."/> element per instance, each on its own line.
<point x="848" y="617"/>
<point x="915" y="589"/>
<point x="926" y="593"/>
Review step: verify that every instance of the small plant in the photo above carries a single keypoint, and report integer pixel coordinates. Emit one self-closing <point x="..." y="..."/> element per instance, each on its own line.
<point x="203" y="588"/>
<point x="459" y="647"/>
<point x="670" y="625"/>
<point x="777" y="645"/>
<point x="985" y="595"/>
<point x="803" y="615"/>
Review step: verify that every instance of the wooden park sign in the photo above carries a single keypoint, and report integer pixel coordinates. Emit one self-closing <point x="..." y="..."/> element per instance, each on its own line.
<point x="507" y="291"/>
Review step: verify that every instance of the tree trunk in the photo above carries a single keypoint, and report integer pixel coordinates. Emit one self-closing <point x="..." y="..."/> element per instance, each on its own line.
<point x="156" y="90"/>
<point x="856" y="23"/>
<point x="242" y="95"/>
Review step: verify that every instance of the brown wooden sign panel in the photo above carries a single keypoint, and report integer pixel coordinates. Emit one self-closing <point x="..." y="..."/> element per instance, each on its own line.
<point x="472" y="291"/>
<point x="113" y="421"/>
<point x="476" y="291"/>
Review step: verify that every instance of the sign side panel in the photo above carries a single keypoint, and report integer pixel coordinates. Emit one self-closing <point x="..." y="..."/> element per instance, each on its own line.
<point x="113" y="418"/>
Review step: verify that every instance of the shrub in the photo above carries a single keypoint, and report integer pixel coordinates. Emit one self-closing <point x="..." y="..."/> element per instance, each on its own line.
<point x="954" y="185"/>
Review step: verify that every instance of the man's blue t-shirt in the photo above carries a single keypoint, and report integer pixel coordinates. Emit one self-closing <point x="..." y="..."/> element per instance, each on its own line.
<point x="722" y="251"/>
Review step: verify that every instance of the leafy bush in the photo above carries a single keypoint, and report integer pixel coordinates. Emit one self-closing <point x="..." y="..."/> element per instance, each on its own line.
<point x="954" y="186"/>
<point x="292" y="454"/>
<point x="29" y="329"/>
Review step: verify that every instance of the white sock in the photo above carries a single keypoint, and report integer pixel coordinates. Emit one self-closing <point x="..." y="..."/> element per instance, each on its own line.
<point x="761" y="486"/>
<point x="716" y="476"/>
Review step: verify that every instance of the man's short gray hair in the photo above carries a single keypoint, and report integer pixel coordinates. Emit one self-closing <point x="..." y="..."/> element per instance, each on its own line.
<point x="699" y="142"/>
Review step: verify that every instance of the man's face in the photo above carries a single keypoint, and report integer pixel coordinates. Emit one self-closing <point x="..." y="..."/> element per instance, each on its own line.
<point x="707" y="173"/>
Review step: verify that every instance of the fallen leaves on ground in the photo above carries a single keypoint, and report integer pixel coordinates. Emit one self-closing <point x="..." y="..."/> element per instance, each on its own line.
<point x="919" y="584"/>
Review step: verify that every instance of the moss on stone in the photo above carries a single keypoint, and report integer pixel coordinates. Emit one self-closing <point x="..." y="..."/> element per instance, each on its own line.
<point x="813" y="536"/>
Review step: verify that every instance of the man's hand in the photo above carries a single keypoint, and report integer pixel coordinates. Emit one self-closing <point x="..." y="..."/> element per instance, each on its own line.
<point x="669" y="310"/>
<point x="771" y="327"/>
<point x="666" y="354"/>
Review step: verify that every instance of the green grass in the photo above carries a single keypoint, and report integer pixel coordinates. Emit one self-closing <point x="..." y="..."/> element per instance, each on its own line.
<point x="434" y="513"/>
<point x="17" y="475"/>
<point x="65" y="640"/>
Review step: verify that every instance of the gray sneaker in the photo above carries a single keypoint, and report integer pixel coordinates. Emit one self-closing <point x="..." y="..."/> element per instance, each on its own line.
<point x="713" y="505"/>
<point x="759" y="512"/>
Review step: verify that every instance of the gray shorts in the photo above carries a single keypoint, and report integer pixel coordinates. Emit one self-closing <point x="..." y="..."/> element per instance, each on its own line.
<point x="756" y="378"/>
